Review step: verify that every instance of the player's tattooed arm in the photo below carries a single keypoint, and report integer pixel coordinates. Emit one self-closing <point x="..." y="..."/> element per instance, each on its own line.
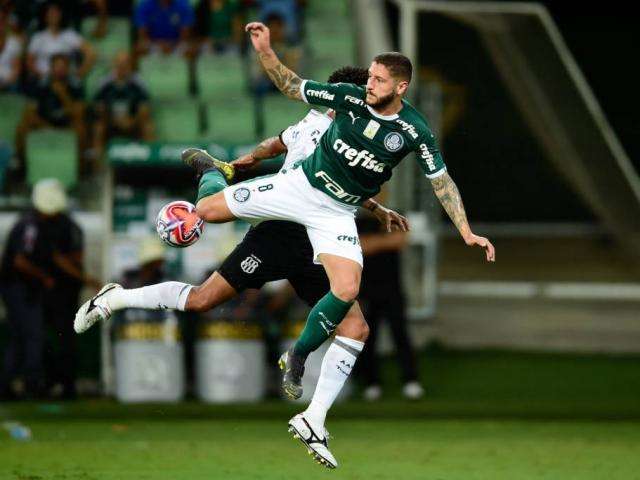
<point x="268" y="148"/>
<point x="287" y="81"/>
<point x="447" y="192"/>
<point x="283" y="78"/>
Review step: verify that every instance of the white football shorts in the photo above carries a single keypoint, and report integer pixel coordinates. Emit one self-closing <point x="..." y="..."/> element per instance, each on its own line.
<point x="288" y="195"/>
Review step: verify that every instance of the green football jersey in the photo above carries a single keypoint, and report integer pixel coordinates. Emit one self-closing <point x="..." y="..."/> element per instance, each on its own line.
<point x="356" y="154"/>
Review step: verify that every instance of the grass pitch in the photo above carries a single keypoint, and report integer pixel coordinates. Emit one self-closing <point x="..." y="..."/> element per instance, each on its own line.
<point x="487" y="416"/>
<point x="367" y="449"/>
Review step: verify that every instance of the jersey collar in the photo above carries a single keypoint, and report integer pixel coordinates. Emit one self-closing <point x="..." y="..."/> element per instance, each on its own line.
<point x="381" y="117"/>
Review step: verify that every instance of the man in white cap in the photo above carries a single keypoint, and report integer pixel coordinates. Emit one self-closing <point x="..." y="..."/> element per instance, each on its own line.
<point x="41" y="276"/>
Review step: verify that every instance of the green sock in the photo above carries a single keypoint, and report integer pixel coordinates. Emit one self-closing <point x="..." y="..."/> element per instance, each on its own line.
<point x="323" y="319"/>
<point x="212" y="181"/>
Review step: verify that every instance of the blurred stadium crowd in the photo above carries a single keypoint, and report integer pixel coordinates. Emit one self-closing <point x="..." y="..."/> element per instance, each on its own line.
<point x="83" y="72"/>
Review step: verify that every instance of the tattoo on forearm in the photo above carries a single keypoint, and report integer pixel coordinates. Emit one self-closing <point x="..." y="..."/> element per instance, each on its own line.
<point x="283" y="78"/>
<point x="265" y="149"/>
<point x="447" y="192"/>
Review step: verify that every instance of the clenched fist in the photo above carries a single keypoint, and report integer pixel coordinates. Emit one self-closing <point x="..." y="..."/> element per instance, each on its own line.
<point x="260" y="36"/>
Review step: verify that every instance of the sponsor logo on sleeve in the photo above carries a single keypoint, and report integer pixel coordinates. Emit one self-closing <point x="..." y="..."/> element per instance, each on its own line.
<point x="393" y="141"/>
<point x="323" y="94"/>
<point x="427" y="157"/>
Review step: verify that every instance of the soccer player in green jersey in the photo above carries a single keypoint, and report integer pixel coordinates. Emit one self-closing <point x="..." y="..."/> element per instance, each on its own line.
<point x="373" y="130"/>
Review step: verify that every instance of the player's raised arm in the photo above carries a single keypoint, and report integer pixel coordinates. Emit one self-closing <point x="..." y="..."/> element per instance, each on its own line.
<point x="287" y="81"/>
<point x="447" y="192"/>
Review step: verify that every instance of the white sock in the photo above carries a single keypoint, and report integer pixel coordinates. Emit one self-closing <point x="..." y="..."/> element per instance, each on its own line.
<point x="336" y="367"/>
<point x="161" y="296"/>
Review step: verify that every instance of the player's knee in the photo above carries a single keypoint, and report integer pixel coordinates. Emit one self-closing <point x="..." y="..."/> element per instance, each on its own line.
<point x="347" y="291"/>
<point x="363" y="332"/>
<point x="354" y="330"/>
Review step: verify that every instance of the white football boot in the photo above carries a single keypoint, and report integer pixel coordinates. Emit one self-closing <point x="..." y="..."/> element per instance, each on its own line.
<point x="315" y="439"/>
<point x="94" y="310"/>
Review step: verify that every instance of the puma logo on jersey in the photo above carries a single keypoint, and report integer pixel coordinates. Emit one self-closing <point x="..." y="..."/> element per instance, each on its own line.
<point x="355" y="157"/>
<point x="320" y="94"/>
<point x="353" y="117"/>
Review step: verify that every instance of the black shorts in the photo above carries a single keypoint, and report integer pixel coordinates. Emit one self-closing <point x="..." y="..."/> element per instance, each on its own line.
<point x="276" y="250"/>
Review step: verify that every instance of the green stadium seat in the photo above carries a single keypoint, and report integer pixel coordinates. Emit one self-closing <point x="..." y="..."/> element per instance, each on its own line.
<point x="177" y="121"/>
<point x="12" y="107"/>
<point x="231" y="121"/>
<point x="280" y="112"/>
<point x="166" y="76"/>
<point x="52" y="153"/>
<point x="217" y="76"/>
<point x="116" y="39"/>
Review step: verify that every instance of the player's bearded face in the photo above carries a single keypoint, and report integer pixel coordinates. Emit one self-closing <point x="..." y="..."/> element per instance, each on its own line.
<point x="381" y="87"/>
<point x="377" y="101"/>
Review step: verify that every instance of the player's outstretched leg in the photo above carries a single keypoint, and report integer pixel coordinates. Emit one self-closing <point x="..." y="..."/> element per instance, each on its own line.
<point x="337" y="364"/>
<point x="213" y="175"/>
<point x="324" y="317"/>
<point x="162" y="296"/>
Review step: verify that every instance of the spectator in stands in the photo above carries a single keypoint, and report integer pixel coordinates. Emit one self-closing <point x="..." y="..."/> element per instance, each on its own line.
<point x="290" y="11"/>
<point x="289" y="52"/>
<point x="163" y="25"/>
<point x="57" y="39"/>
<point x="121" y="106"/>
<point x="220" y="24"/>
<point x="10" y="52"/>
<point x="27" y="13"/>
<point x="382" y="297"/>
<point x="58" y="104"/>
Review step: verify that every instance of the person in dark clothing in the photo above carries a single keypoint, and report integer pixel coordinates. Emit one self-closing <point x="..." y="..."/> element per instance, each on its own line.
<point x="41" y="278"/>
<point x="121" y="106"/>
<point x="61" y="301"/>
<point x="57" y="103"/>
<point x="382" y="297"/>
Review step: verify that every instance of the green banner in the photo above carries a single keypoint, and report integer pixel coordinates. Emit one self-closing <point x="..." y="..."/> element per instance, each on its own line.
<point x="138" y="154"/>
